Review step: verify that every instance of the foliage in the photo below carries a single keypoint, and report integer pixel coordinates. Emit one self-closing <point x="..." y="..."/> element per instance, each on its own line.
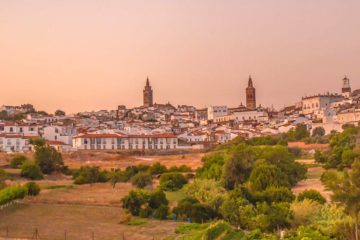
<point x="318" y="132"/>
<point x="207" y="191"/>
<point x="305" y="233"/>
<point x="275" y="194"/>
<point x="311" y="195"/>
<point x="304" y="212"/>
<point x="267" y="175"/>
<point x="172" y="181"/>
<point x="141" y="179"/>
<point x="157" y="168"/>
<point x="48" y="159"/>
<point x="31" y="170"/>
<point x="89" y="175"/>
<point x="191" y="208"/>
<point x="17" y="161"/>
<point x="137" y="222"/>
<point x="238" y="167"/>
<point x="145" y="204"/>
<point x="59" y="113"/>
<point x="12" y="193"/>
<point x="346" y="190"/>
<point x="182" y="168"/>
<point x="274" y="216"/>
<point x="115" y="176"/>
<point x="32" y="188"/>
<point x="212" y="166"/>
<point x="320" y="157"/>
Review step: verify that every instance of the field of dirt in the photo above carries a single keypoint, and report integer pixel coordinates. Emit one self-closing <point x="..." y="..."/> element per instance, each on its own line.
<point x="312" y="181"/>
<point x="108" y="160"/>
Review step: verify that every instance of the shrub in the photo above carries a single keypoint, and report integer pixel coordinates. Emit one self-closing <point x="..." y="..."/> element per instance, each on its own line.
<point x="172" y="181"/>
<point x="141" y="179"/>
<point x="161" y="212"/>
<point x="17" y="161"/>
<point x="32" y="188"/>
<point x="89" y="175"/>
<point x="182" y="168"/>
<point x="217" y="229"/>
<point x="135" y="200"/>
<point x="191" y="208"/>
<point x="311" y="195"/>
<point x="31" y="170"/>
<point x="295" y="151"/>
<point x="157" y="199"/>
<point x="320" y="157"/>
<point x="12" y="193"/>
<point x="157" y="168"/>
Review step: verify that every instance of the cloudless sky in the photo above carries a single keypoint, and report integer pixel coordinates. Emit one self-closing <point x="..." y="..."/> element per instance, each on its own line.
<point x="82" y="55"/>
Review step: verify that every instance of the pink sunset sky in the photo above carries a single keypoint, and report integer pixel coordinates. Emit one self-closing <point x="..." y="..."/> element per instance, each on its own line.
<point x="80" y="55"/>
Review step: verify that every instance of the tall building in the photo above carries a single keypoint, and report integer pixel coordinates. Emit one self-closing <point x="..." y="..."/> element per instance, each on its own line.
<point x="250" y="95"/>
<point x="148" y="94"/>
<point x="346" y="89"/>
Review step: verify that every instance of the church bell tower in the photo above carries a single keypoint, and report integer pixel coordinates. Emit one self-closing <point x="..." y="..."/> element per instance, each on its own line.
<point x="250" y="95"/>
<point x="148" y="94"/>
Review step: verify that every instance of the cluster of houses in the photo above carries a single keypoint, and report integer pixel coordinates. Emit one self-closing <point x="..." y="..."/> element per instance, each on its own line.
<point x="163" y="126"/>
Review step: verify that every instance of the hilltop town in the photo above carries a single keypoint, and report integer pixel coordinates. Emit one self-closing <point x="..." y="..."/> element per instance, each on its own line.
<point x="155" y="126"/>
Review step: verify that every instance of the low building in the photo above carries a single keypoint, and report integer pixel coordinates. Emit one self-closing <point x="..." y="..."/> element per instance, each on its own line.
<point x="118" y="141"/>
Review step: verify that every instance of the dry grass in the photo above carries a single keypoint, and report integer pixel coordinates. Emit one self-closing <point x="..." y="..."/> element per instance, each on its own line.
<point x="108" y="160"/>
<point x="79" y="222"/>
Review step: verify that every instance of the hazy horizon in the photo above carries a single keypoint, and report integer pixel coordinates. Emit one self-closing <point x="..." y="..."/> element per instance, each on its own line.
<point x="90" y="55"/>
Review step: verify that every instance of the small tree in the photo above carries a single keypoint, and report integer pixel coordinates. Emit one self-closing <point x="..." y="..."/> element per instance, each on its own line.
<point x="312" y="195"/>
<point x="158" y="168"/>
<point x="17" y="161"/>
<point x="141" y="180"/>
<point x="59" y="113"/>
<point x="172" y="181"/>
<point x="33" y="188"/>
<point x="48" y="159"/>
<point x="31" y="170"/>
<point x="135" y="200"/>
<point x="89" y="175"/>
<point x="318" y="132"/>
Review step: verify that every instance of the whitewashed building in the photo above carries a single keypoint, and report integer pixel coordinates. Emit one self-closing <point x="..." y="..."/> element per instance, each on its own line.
<point x="216" y="111"/>
<point x="118" y="141"/>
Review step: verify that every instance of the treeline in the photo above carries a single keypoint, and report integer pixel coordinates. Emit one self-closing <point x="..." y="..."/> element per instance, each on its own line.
<point x="344" y="149"/>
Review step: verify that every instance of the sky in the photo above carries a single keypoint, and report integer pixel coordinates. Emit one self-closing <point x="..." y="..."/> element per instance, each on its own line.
<point x="81" y="55"/>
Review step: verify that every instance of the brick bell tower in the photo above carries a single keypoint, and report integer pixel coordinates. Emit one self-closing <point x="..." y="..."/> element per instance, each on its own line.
<point x="250" y="95"/>
<point x="148" y="94"/>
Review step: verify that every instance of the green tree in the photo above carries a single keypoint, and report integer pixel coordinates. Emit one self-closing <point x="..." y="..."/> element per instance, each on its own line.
<point x="31" y="170"/>
<point x="89" y="175"/>
<point x="318" y="132"/>
<point x="311" y="195"/>
<point x="172" y="181"/>
<point x="33" y="188"/>
<point x="141" y="179"/>
<point x="135" y="200"/>
<point x="212" y="166"/>
<point x="17" y="161"/>
<point x="48" y="159"/>
<point x="267" y="175"/>
<point x="59" y="113"/>
<point x="238" y="167"/>
<point x="158" y="168"/>
<point x="346" y="191"/>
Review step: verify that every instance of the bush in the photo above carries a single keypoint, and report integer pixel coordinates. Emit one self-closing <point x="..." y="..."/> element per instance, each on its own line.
<point x="193" y="209"/>
<point x="295" y="151"/>
<point x="182" y="168"/>
<point x="12" y="193"/>
<point x="17" y="161"/>
<point x="311" y="195"/>
<point x="32" y="188"/>
<point x="89" y="175"/>
<point x="135" y="200"/>
<point x="172" y="181"/>
<point x="31" y="170"/>
<point x="161" y="212"/>
<point x="157" y="199"/>
<point x="141" y="179"/>
<point x="157" y="168"/>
